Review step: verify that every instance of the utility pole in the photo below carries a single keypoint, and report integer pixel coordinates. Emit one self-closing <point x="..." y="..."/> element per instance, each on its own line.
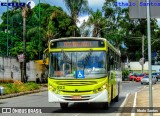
<point x="149" y="58"/>
<point x="143" y="52"/>
<point x="7" y="28"/>
<point x="39" y="31"/>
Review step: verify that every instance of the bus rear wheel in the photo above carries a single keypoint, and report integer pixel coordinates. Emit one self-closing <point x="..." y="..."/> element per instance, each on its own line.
<point x="64" y="105"/>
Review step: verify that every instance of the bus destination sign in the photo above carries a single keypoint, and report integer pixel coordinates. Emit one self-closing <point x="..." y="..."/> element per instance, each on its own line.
<point x="77" y="44"/>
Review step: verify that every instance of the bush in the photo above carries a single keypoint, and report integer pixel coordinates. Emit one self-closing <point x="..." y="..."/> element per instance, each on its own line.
<point x="125" y="74"/>
<point x="11" y="88"/>
<point x="18" y="86"/>
<point x="32" y="86"/>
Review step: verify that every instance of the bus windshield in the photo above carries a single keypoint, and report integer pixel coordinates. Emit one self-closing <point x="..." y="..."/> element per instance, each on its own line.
<point x="77" y="65"/>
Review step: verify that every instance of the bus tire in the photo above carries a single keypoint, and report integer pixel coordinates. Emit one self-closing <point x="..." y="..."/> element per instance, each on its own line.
<point x="116" y="99"/>
<point x="64" y="105"/>
<point x="105" y="105"/>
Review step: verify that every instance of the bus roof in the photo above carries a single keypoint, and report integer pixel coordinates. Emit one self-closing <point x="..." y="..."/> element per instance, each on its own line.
<point x="93" y="38"/>
<point x="68" y="38"/>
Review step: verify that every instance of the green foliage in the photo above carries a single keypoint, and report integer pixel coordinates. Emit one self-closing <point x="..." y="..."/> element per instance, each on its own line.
<point x="98" y="22"/>
<point x="10" y="88"/>
<point x="76" y="8"/>
<point x="123" y="29"/>
<point x="125" y="74"/>
<point x="115" y="25"/>
<point x="32" y="86"/>
<point x="53" y="23"/>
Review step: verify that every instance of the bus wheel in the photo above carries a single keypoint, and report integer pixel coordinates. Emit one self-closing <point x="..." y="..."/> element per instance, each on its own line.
<point x="116" y="99"/>
<point x="64" y="105"/>
<point x="105" y="105"/>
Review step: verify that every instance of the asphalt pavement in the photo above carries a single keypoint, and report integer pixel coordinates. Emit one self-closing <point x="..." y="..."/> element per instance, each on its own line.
<point x="41" y="100"/>
<point x="138" y="103"/>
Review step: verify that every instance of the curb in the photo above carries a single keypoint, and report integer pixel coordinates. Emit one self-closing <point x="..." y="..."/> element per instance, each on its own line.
<point x="126" y="81"/>
<point x="22" y="93"/>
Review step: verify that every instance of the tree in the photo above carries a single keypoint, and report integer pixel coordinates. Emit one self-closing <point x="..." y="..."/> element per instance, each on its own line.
<point x="56" y="22"/>
<point x="114" y="17"/>
<point x="98" y="22"/>
<point x="75" y="8"/>
<point x="122" y="29"/>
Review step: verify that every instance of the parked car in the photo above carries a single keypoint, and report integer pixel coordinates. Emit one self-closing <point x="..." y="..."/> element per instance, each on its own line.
<point x="145" y="80"/>
<point x="139" y="77"/>
<point x="132" y="76"/>
<point x="158" y="76"/>
<point x="154" y="74"/>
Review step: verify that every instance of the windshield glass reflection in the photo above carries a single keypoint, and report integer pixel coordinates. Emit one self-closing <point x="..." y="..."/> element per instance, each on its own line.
<point x="71" y="65"/>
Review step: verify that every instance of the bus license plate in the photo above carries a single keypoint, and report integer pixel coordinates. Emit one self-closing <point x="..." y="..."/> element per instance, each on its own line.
<point x="76" y="97"/>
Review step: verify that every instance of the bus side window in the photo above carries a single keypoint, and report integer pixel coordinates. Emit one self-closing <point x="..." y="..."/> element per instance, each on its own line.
<point x="111" y="60"/>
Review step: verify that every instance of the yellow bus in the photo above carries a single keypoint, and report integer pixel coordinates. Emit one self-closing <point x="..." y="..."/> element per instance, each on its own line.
<point x="83" y="70"/>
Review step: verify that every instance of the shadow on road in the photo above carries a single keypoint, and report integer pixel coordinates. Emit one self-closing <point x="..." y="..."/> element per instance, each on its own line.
<point x="89" y="108"/>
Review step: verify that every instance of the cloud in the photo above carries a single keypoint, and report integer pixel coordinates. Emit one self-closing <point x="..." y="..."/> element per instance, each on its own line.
<point x="96" y="4"/>
<point x="158" y="22"/>
<point x="81" y="19"/>
<point x="122" y="0"/>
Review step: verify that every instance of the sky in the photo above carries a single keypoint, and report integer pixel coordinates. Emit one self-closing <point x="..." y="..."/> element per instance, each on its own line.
<point x="94" y="4"/>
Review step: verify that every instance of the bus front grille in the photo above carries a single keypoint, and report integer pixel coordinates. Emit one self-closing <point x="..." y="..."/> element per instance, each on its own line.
<point x="71" y="99"/>
<point x="76" y="91"/>
<point x="76" y="83"/>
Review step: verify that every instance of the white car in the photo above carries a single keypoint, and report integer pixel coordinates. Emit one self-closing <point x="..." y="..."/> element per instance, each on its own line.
<point x="145" y="80"/>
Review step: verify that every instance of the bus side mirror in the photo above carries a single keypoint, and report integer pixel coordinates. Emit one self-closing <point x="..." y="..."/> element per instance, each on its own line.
<point x="111" y="60"/>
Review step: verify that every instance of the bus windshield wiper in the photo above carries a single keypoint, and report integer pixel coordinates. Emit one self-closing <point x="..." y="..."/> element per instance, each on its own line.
<point x="66" y="58"/>
<point x="87" y="58"/>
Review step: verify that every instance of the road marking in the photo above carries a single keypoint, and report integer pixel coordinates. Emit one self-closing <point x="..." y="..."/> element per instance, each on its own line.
<point x="141" y="89"/>
<point x="134" y="105"/>
<point x="124" y="102"/>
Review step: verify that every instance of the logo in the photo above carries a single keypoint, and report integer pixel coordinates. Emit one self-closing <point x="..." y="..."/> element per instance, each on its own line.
<point x="80" y="74"/>
<point x="6" y="110"/>
<point x="13" y="4"/>
<point x="30" y="4"/>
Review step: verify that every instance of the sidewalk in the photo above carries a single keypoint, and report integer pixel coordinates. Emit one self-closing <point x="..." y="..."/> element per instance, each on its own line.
<point x="142" y="102"/>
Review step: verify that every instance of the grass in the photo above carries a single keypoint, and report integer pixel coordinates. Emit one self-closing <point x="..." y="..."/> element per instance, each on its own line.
<point x="18" y="86"/>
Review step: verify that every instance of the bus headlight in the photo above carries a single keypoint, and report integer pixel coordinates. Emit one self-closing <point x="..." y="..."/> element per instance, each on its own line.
<point x="104" y="86"/>
<point x="50" y="87"/>
<point x="100" y="89"/>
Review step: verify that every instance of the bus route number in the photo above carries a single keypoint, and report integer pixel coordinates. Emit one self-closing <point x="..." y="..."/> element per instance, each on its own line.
<point x="60" y="87"/>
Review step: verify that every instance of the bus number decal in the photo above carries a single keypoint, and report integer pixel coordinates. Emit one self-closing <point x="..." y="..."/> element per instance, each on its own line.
<point x="60" y="87"/>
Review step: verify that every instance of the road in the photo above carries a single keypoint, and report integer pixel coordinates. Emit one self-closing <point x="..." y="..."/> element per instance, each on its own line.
<point x="41" y="100"/>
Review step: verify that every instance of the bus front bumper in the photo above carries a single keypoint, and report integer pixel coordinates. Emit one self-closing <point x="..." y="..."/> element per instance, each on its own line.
<point x="98" y="97"/>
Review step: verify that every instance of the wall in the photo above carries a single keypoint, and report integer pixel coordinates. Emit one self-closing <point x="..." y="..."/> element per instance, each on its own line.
<point x="10" y="69"/>
<point x="137" y="68"/>
<point x="156" y="68"/>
